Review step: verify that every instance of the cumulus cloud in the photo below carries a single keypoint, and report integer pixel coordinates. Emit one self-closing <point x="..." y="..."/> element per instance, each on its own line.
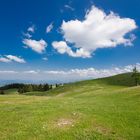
<point x="15" y="58"/>
<point x="11" y="58"/>
<point x="49" y="28"/>
<point x="98" y="30"/>
<point x="62" y="48"/>
<point x="37" y="46"/>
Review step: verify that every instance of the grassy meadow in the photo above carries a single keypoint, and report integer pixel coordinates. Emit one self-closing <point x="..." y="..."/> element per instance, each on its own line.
<point x="102" y="109"/>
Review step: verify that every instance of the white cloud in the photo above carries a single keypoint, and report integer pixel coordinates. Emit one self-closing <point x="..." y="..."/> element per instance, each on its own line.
<point x="5" y="60"/>
<point x="15" y="58"/>
<point x="28" y="35"/>
<point x="31" y="29"/>
<point x="98" y="30"/>
<point x="89" y="73"/>
<point x="69" y="7"/>
<point x="29" y="32"/>
<point x="11" y="58"/>
<point x="31" y="72"/>
<point x="38" y="46"/>
<point x="49" y="28"/>
<point x="66" y="75"/>
<point x="92" y="72"/>
<point x="62" y="48"/>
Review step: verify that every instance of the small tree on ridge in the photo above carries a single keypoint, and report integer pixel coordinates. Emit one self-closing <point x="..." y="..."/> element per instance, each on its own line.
<point x="136" y="75"/>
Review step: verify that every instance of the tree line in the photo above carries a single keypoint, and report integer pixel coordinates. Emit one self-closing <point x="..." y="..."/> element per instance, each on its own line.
<point x="23" y="88"/>
<point x="34" y="87"/>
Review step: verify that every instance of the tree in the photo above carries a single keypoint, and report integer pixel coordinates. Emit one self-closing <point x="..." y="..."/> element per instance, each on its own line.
<point x="2" y="92"/>
<point x="51" y="87"/>
<point x="45" y="87"/>
<point x="57" y="85"/>
<point x="136" y="76"/>
<point x="20" y="90"/>
<point x="35" y="87"/>
<point x="29" y="88"/>
<point x="40" y="87"/>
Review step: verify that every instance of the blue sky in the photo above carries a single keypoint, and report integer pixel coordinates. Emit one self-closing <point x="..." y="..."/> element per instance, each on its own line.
<point x="62" y="36"/>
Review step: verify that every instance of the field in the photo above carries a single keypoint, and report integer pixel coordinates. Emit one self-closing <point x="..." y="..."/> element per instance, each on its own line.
<point x="102" y="109"/>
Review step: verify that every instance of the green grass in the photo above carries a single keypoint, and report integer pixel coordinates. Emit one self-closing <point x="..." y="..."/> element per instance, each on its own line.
<point x="103" y="109"/>
<point x="11" y="91"/>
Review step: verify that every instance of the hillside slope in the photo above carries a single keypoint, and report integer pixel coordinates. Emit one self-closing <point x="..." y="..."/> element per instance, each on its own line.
<point x="121" y="80"/>
<point x="117" y="81"/>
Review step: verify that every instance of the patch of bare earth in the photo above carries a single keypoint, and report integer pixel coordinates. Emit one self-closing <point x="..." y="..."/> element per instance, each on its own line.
<point x="65" y="122"/>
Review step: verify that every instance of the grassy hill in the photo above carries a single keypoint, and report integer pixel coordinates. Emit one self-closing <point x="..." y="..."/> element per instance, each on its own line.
<point x="121" y="79"/>
<point x="101" y="109"/>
